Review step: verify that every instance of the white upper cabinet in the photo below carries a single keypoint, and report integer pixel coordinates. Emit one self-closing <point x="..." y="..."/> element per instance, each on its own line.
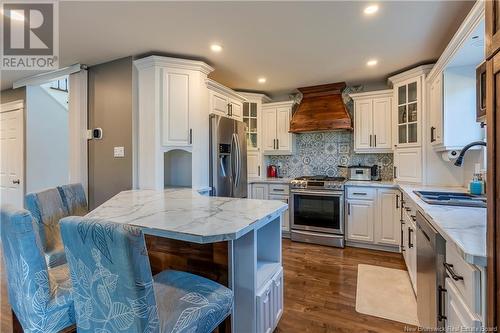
<point x="276" y="138"/>
<point x="372" y="121"/>
<point x="225" y="101"/>
<point x="171" y="114"/>
<point x="452" y="88"/>
<point x="407" y="119"/>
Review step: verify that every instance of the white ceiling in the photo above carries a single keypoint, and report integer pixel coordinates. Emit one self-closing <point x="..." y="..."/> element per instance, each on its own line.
<point x="292" y="44"/>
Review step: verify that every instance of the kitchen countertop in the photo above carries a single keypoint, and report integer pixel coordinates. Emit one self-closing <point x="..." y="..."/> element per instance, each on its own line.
<point x="184" y="214"/>
<point x="269" y="180"/>
<point x="463" y="226"/>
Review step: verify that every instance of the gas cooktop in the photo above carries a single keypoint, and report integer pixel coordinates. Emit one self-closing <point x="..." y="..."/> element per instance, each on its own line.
<point x="318" y="182"/>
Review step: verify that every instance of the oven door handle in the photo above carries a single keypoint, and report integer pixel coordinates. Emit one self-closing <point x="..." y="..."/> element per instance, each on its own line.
<point x="326" y="194"/>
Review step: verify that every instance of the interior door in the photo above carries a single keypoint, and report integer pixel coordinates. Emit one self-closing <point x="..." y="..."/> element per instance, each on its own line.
<point x="382" y="123"/>
<point x="12" y="158"/>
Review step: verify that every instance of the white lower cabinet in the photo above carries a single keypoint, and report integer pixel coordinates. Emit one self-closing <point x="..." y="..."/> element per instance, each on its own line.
<point x="272" y="191"/>
<point x="270" y="304"/>
<point x="253" y="164"/>
<point x="373" y="217"/>
<point x="259" y="191"/>
<point x="360" y="215"/>
<point x="458" y="315"/>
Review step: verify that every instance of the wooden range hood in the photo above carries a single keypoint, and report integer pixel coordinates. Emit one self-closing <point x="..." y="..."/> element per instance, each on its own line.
<point x="321" y="109"/>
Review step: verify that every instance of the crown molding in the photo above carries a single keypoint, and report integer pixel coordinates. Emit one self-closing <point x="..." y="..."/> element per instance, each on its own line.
<point x="278" y="104"/>
<point x="222" y="89"/>
<point x="411" y="73"/>
<point x="256" y="96"/>
<point x="153" y="61"/>
<point x="475" y="16"/>
<point x="371" y="94"/>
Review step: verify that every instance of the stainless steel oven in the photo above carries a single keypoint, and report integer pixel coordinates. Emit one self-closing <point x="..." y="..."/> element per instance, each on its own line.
<point x="317" y="216"/>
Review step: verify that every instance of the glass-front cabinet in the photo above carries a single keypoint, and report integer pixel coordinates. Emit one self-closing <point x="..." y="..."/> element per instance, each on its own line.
<point x="251" y="120"/>
<point x="408" y="113"/>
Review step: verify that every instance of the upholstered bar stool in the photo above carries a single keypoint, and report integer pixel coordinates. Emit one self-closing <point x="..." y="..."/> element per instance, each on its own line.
<point x="47" y="209"/>
<point x="74" y="199"/>
<point x="114" y="289"/>
<point x="40" y="298"/>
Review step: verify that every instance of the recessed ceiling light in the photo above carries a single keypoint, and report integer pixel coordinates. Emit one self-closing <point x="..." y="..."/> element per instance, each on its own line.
<point x="370" y="10"/>
<point x="216" y="47"/>
<point x="262" y="80"/>
<point x="371" y="62"/>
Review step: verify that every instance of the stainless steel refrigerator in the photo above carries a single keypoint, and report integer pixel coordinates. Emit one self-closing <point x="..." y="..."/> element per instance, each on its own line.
<point x="228" y="157"/>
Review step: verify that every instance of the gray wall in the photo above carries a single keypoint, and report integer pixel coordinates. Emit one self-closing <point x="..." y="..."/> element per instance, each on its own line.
<point x="110" y="108"/>
<point x="47" y="144"/>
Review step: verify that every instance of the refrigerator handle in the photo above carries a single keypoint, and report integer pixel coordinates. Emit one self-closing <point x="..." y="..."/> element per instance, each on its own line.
<point x="238" y="160"/>
<point x="234" y="149"/>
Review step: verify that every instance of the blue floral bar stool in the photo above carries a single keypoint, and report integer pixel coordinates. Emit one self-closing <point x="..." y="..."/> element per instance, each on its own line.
<point x="40" y="298"/>
<point x="114" y="290"/>
<point x="74" y="199"/>
<point x="47" y="209"/>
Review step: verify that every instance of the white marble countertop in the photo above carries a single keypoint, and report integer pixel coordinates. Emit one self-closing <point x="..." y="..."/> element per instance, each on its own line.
<point x="463" y="226"/>
<point x="269" y="180"/>
<point x="184" y="214"/>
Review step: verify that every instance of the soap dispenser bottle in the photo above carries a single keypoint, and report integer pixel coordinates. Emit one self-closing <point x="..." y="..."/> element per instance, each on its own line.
<point x="476" y="186"/>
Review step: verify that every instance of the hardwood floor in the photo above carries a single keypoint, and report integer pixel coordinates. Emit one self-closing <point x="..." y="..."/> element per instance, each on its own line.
<point x="320" y="290"/>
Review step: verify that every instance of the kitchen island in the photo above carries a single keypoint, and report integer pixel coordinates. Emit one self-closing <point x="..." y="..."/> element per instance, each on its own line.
<point x="238" y="239"/>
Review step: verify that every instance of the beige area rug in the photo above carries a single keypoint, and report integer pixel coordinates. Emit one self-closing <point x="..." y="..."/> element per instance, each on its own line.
<point x="386" y="293"/>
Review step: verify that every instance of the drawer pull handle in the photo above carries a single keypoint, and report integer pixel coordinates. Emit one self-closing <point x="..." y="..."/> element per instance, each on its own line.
<point x="407" y="209"/>
<point x="449" y="269"/>
<point x="359" y="193"/>
<point x="441" y="316"/>
<point x="413" y="217"/>
<point x="279" y="189"/>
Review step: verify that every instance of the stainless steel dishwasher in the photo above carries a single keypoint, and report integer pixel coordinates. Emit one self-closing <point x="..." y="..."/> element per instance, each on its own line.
<point x="431" y="248"/>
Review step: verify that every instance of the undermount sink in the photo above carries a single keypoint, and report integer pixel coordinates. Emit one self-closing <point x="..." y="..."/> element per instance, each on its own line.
<point x="452" y="198"/>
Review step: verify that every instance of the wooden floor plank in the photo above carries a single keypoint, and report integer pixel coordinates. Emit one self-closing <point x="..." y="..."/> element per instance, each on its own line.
<point x="320" y="290"/>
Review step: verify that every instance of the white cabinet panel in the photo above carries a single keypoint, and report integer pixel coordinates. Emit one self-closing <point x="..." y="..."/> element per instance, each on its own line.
<point x="286" y="215"/>
<point x="436" y="111"/>
<point x="260" y="191"/>
<point x="175" y="117"/>
<point x="284" y="139"/>
<point x="269" y="129"/>
<point x="382" y="125"/>
<point x="360" y="220"/>
<point x="457" y="313"/>
<point x="219" y="104"/>
<point x="277" y="295"/>
<point x="276" y="140"/>
<point x="253" y="164"/>
<point x="363" y="124"/>
<point x="388" y="228"/>
<point x="408" y="164"/>
<point x="265" y="318"/>
<point x="373" y="121"/>
<point x="236" y="110"/>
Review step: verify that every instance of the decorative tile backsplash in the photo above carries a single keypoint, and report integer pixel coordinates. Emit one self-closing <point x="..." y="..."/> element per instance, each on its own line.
<point x="322" y="153"/>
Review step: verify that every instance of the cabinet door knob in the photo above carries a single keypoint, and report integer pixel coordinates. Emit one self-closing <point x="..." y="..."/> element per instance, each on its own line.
<point x="16" y="181"/>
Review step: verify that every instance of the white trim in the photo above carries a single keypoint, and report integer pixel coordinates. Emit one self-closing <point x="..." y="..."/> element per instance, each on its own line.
<point x="222" y="89"/>
<point x="255" y="96"/>
<point x="47" y="77"/>
<point x="11" y="106"/>
<point x="410" y="74"/>
<point x="371" y="94"/>
<point x="278" y="104"/>
<point x="473" y="19"/>
<point x="152" y="61"/>
<point x="77" y="121"/>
